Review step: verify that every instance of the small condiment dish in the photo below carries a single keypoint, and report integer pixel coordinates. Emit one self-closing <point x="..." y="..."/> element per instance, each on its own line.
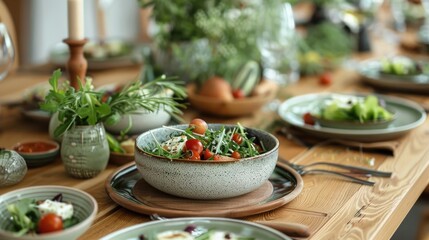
<point x="38" y="152"/>
<point x="205" y="179"/>
<point x="84" y="205"/>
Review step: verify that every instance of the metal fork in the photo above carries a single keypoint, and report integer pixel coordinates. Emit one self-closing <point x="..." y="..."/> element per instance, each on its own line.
<point x="342" y="175"/>
<point x="352" y="169"/>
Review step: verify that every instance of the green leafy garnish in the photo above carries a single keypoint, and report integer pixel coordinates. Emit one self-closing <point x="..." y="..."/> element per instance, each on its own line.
<point x="88" y="107"/>
<point x="352" y="108"/>
<point x="220" y="142"/>
<point x="24" y="215"/>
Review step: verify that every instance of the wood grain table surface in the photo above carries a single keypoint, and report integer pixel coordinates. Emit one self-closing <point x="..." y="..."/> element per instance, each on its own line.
<point x="331" y="207"/>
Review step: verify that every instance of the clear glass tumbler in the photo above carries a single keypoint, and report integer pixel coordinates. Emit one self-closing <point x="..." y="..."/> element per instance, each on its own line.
<point x="278" y="44"/>
<point x="7" y="52"/>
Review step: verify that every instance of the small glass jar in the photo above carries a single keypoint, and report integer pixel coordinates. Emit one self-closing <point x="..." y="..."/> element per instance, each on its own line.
<point x="12" y="167"/>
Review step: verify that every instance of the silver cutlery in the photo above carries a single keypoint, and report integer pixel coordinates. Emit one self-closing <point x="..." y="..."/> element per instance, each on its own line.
<point x="352" y="169"/>
<point x="301" y="169"/>
<point x="295" y="230"/>
<point x="338" y="174"/>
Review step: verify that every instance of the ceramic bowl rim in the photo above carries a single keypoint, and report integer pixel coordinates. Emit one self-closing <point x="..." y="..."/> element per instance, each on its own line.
<point x="35" y="154"/>
<point x="241" y="222"/>
<point x="86" y="222"/>
<point x="159" y="158"/>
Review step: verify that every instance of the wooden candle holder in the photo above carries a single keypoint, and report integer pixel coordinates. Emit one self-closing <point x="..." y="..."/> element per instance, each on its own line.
<point x="77" y="64"/>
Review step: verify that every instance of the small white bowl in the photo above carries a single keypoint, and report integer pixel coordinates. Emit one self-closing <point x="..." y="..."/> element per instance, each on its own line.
<point x="85" y="209"/>
<point x="141" y="121"/>
<point x="205" y="179"/>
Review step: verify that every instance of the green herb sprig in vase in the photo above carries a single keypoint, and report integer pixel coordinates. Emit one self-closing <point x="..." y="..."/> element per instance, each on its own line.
<point x="82" y="114"/>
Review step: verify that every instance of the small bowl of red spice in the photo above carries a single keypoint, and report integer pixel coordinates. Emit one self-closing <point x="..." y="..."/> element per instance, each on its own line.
<point x="38" y="152"/>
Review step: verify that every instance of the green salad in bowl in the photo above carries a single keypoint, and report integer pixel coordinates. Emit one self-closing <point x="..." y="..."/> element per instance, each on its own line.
<point x="353" y="112"/>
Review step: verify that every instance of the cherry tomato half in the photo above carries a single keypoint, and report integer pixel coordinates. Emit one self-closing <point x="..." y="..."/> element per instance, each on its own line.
<point x="192" y="155"/>
<point x="238" y="93"/>
<point x="50" y="222"/>
<point x="325" y="79"/>
<point x="207" y="154"/>
<point x="194" y="145"/>
<point x="236" y="155"/>
<point x="258" y="148"/>
<point x="198" y="125"/>
<point x="236" y="137"/>
<point x="308" y="119"/>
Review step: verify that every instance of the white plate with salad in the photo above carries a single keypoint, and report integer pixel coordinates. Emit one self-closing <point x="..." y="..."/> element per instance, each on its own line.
<point x="397" y="74"/>
<point x="407" y="116"/>
<point x="197" y="229"/>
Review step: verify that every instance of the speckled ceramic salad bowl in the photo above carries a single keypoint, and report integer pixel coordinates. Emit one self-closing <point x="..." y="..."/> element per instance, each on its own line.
<point x="205" y="179"/>
<point x="84" y="205"/>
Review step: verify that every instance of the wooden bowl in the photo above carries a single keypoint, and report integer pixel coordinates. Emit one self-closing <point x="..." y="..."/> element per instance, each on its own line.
<point x="233" y="108"/>
<point x="121" y="158"/>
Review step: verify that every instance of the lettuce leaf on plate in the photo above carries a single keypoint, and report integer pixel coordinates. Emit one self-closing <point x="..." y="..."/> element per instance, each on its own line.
<point x="352" y="108"/>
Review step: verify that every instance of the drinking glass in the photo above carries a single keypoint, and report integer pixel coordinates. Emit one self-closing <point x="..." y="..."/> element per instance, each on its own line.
<point x="7" y="53"/>
<point x="397" y="9"/>
<point x="278" y="44"/>
<point x="424" y="29"/>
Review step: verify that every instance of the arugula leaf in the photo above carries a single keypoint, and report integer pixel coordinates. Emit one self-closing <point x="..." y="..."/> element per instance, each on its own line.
<point x="24" y="215"/>
<point x="70" y="222"/>
<point x="217" y="141"/>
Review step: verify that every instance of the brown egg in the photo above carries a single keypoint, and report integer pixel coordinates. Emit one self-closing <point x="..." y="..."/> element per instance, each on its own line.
<point x="217" y="87"/>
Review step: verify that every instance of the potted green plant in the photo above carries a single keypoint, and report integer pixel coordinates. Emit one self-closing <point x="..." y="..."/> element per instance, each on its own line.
<point x="82" y="113"/>
<point x="217" y="36"/>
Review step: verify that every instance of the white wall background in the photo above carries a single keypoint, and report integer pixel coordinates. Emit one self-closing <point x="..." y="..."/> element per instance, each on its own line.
<point x="45" y="24"/>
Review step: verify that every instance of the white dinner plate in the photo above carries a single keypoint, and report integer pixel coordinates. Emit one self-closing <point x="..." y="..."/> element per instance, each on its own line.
<point x="243" y="228"/>
<point x="408" y="115"/>
<point x="369" y="70"/>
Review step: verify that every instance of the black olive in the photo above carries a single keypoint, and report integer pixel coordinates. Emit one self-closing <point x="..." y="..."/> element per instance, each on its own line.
<point x="58" y="198"/>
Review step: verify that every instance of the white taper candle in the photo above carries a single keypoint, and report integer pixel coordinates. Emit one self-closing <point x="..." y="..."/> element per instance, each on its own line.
<point x="75" y="19"/>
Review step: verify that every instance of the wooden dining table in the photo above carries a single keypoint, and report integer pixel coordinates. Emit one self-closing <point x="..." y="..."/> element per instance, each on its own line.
<point x="332" y="207"/>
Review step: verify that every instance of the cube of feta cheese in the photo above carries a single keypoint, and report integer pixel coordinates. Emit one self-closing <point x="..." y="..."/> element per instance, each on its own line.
<point x="64" y="210"/>
<point x="175" y="145"/>
<point x="174" y="235"/>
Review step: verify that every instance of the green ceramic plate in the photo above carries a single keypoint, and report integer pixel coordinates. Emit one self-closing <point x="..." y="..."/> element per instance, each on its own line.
<point x="242" y="228"/>
<point x="408" y="115"/>
<point x="369" y="70"/>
